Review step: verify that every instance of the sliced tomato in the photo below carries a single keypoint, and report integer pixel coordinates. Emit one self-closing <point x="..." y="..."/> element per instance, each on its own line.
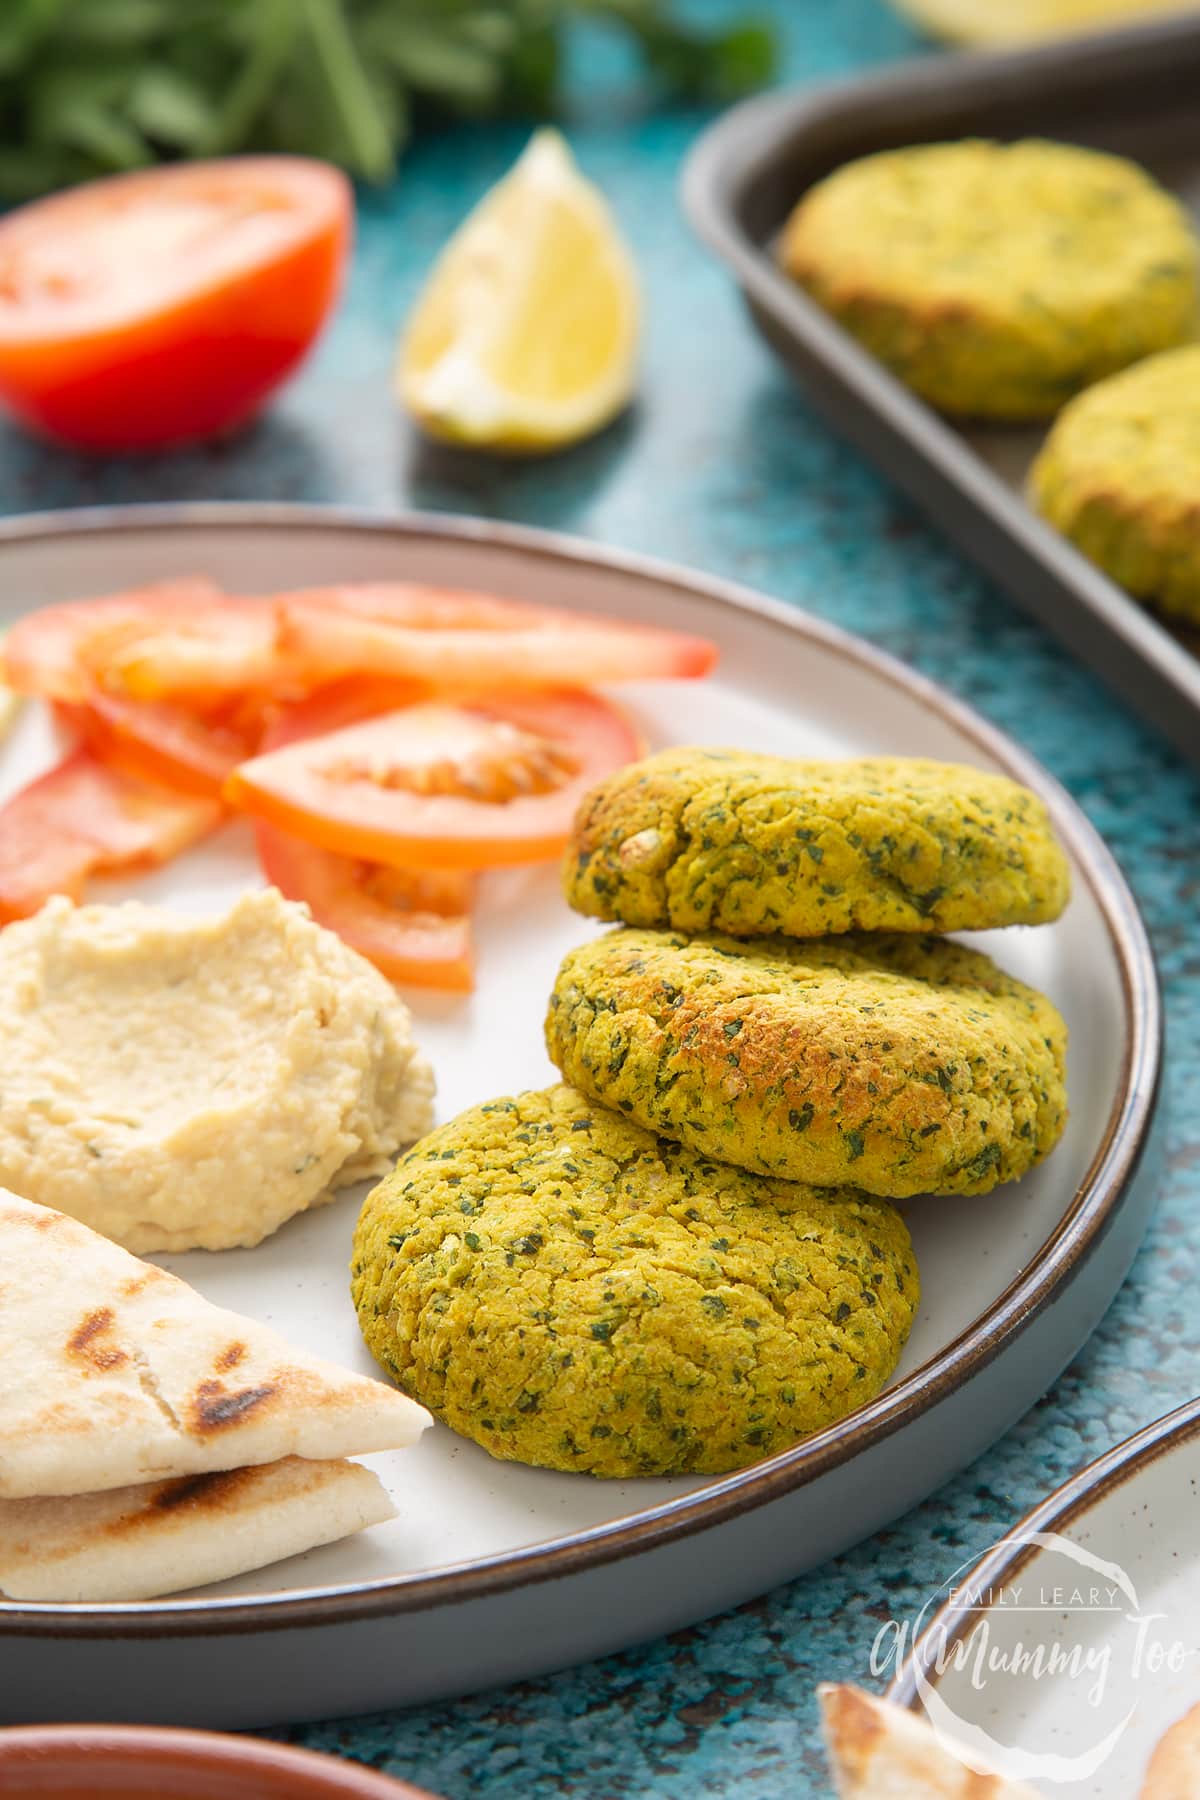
<point x="227" y="647"/>
<point x="166" y="305"/>
<point x="174" y="639"/>
<point x="455" y="639"/>
<point x="84" y="818"/>
<point x="414" y="924"/>
<point x="339" y="703"/>
<point x="44" y="651"/>
<point x="470" y="786"/>
<point x="165" y="743"/>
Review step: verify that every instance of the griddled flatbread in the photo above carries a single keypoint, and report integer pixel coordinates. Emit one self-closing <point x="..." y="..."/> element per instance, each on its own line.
<point x="136" y="1543"/>
<point x="882" y="1752"/>
<point x="116" y="1373"/>
<point x="1174" y="1772"/>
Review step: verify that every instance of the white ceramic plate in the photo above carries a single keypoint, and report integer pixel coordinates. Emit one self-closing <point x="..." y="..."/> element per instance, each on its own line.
<point x="493" y="1571"/>
<point x="1099" y="1586"/>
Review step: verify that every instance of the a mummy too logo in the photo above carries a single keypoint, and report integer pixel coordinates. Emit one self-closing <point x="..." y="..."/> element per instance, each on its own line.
<point x="1061" y="1645"/>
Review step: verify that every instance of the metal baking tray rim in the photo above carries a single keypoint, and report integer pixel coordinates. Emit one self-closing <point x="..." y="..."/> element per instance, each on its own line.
<point x="738" y="151"/>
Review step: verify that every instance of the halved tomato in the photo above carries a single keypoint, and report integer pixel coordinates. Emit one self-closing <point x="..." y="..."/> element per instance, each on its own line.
<point x="84" y="818"/>
<point x="461" y="640"/>
<point x="469" y="786"/>
<point x="166" y="305"/>
<point x="414" y="924"/>
<point x="165" y="743"/>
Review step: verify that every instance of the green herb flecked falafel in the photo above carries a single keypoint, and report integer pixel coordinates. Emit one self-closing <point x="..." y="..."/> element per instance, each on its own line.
<point x="903" y="1064"/>
<point x="998" y="280"/>
<point x="573" y="1292"/>
<point x="1119" y="475"/>
<point x="730" y="840"/>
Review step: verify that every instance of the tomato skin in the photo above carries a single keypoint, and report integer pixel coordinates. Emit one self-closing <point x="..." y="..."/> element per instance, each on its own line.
<point x="45" y="652"/>
<point x="173" y="640"/>
<point x="339" y="703"/>
<point x="482" y="785"/>
<point x="455" y="639"/>
<point x="158" y="742"/>
<point x="82" y="818"/>
<point x="414" y="925"/>
<point x="196" y="365"/>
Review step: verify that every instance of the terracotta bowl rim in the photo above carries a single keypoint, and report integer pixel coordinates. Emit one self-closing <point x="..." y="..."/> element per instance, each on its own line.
<point x="304" y="1774"/>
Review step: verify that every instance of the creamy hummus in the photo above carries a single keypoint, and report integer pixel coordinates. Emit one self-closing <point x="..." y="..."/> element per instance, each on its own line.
<point x="182" y="1083"/>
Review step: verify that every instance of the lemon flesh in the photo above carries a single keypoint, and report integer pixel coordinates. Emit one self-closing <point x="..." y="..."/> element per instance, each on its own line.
<point x="525" y="337"/>
<point x="1021" y="21"/>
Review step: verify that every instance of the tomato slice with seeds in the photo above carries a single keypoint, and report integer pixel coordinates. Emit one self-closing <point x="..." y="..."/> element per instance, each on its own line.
<point x="162" y="742"/>
<point x="85" y="818"/>
<point x="456" y="639"/>
<point x="173" y="639"/>
<point x="471" y="786"/>
<point x="413" y="924"/>
<point x="336" y="704"/>
<point x="44" y="651"/>
<point x="227" y="647"/>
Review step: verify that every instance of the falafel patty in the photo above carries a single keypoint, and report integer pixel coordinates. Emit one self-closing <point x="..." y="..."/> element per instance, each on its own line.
<point x="904" y="1065"/>
<point x="1119" y="475"/>
<point x="573" y="1292"/>
<point x="998" y="280"/>
<point x="727" y="840"/>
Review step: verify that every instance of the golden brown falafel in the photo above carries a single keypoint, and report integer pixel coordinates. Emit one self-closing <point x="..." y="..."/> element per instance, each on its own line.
<point x="729" y="840"/>
<point x="573" y="1292"/>
<point x="1119" y="475"/>
<point x="998" y="279"/>
<point x="902" y="1064"/>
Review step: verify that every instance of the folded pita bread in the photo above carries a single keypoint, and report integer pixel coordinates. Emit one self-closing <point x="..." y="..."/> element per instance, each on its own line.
<point x="1174" y="1772"/>
<point x="116" y="1373"/>
<point x="136" y="1543"/>
<point x="882" y="1752"/>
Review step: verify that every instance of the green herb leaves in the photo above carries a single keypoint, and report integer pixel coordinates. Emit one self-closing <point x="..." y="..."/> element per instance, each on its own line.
<point x="92" y="87"/>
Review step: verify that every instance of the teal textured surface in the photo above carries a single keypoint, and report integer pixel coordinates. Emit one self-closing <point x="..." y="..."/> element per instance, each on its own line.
<point x="724" y="466"/>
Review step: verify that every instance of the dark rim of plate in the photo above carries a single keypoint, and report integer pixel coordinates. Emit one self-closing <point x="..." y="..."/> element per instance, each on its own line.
<point x="1085" y="1219"/>
<point x="1002" y="1564"/>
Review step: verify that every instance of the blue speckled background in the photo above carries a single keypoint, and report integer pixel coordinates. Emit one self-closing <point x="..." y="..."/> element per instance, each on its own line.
<point x="724" y="466"/>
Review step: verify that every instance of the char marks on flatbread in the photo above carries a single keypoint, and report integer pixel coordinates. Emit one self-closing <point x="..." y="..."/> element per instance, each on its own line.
<point x="136" y="1543"/>
<point x="881" y="1752"/>
<point x="116" y="1373"/>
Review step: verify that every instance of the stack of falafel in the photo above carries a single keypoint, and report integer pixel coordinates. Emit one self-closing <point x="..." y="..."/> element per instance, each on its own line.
<point x="688" y="1259"/>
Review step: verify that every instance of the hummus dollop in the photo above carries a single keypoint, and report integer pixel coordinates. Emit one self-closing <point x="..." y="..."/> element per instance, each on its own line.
<point x="190" y="1083"/>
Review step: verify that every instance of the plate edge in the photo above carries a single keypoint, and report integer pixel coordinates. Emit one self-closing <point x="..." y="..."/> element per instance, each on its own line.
<point x="1085" y="1219"/>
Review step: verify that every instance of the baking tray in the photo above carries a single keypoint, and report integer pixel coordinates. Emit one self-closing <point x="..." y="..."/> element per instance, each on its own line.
<point x="1134" y="91"/>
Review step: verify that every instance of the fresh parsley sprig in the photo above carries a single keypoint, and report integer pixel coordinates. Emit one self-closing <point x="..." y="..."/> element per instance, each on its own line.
<point x="89" y="87"/>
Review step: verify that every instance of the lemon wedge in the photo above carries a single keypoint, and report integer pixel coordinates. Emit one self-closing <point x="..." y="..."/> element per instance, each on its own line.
<point x="10" y="702"/>
<point x="1021" y="21"/>
<point x="525" y="337"/>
